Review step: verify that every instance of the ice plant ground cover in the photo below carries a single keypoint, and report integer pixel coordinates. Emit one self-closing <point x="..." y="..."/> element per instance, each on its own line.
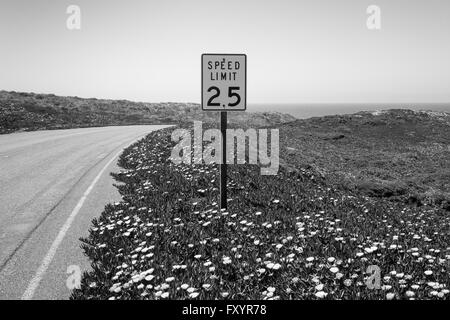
<point x="288" y="236"/>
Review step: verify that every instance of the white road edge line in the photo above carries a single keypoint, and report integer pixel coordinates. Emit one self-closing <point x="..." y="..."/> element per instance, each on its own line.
<point x="34" y="283"/>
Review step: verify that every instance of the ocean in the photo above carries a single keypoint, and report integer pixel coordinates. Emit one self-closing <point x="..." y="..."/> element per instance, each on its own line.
<point x="303" y="110"/>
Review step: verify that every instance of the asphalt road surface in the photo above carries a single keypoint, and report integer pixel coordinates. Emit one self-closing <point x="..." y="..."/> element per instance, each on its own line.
<point x="52" y="184"/>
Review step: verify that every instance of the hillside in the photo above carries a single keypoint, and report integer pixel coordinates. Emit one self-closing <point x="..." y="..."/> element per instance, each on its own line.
<point x="30" y="111"/>
<point x="288" y="236"/>
<point x="401" y="155"/>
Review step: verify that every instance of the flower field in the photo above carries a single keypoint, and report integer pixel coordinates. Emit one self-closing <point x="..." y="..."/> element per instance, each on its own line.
<point x="289" y="236"/>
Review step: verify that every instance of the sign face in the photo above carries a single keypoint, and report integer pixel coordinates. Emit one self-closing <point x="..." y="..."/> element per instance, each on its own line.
<point x="224" y="82"/>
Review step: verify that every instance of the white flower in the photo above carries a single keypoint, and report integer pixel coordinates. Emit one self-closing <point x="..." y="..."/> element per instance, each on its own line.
<point x="165" y="286"/>
<point x="410" y="294"/>
<point x="390" y="296"/>
<point x="321" y="294"/>
<point x="276" y="266"/>
<point x="428" y="272"/>
<point x="334" y="269"/>
<point x="165" y="295"/>
<point x="226" y="260"/>
<point x="319" y="287"/>
<point x="193" y="295"/>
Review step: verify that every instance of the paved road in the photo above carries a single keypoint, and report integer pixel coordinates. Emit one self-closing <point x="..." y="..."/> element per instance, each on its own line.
<point x="52" y="184"/>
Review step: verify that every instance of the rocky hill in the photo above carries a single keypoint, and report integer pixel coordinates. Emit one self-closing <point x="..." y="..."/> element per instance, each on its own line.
<point x="402" y="155"/>
<point x="30" y="111"/>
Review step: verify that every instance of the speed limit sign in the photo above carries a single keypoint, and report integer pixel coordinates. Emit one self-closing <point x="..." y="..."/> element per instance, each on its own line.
<point x="224" y="88"/>
<point x="224" y="82"/>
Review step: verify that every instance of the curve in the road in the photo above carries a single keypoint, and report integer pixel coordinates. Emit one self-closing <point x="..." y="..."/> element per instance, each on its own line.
<point x="52" y="185"/>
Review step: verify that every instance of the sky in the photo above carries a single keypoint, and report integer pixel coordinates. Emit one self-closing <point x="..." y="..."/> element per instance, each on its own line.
<point x="317" y="51"/>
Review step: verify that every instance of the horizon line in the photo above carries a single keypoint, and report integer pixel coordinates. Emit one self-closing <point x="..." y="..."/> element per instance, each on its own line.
<point x="251" y="103"/>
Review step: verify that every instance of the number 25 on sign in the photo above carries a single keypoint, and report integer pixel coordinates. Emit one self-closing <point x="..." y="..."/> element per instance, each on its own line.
<point x="224" y="82"/>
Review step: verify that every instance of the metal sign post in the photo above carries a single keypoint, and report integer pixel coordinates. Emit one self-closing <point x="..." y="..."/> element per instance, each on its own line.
<point x="224" y="88"/>
<point x="223" y="165"/>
